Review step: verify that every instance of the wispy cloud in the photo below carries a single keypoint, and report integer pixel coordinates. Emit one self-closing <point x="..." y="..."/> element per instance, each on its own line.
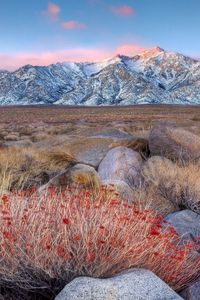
<point x="80" y="54"/>
<point x="130" y="49"/>
<point x="53" y="11"/>
<point x="123" y="10"/>
<point x="72" y="24"/>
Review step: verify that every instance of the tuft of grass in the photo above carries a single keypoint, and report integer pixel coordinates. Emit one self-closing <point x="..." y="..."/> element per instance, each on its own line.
<point x="22" y="168"/>
<point x="149" y="197"/>
<point x="179" y="184"/>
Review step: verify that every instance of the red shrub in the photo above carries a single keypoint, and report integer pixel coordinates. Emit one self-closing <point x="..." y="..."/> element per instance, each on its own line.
<point x="61" y="236"/>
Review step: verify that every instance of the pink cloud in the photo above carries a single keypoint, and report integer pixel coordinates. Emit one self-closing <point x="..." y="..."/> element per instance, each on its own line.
<point x="52" y="11"/>
<point x="70" y="25"/>
<point x="130" y="49"/>
<point x="12" y="62"/>
<point x="123" y="10"/>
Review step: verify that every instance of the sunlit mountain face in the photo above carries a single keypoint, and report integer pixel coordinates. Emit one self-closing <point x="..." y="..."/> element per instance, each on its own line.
<point x="153" y="76"/>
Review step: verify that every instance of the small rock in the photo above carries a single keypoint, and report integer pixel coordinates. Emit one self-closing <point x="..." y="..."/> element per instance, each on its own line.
<point x="135" y="284"/>
<point x="121" y="163"/>
<point x="113" y="133"/>
<point x="192" y="292"/>
<point x="19" y="143"/>
<point x="38" y="137"/>
<point x="12" y="137"/>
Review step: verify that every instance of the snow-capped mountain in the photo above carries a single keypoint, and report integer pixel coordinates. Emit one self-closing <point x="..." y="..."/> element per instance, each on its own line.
<point x="154" y="76"/>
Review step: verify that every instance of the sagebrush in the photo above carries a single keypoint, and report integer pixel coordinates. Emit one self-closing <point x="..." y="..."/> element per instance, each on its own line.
<point x="48" y="240"/>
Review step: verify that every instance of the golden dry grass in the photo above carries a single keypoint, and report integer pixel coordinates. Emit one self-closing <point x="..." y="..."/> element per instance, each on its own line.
<point x="61" y="114"/>
<point x="179" y="184"/>
<point x="151" y="198"/>
<point x="22" y="167"/>
<point x="25" y="167"/>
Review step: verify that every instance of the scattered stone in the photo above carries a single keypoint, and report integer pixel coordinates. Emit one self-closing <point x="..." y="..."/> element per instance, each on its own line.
<point x="12" y="137"/>
<point x="121" y="163"/>
<point x="38" y="137"/>
<point x="113" y="133"/>
<point x="52" y="142"/>
<point x="135" y="284"/>
<point x="174" y="143"/>
<point x="18" y="143"/>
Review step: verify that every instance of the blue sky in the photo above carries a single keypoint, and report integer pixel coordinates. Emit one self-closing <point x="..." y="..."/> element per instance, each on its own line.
<point x="43" y="32"/>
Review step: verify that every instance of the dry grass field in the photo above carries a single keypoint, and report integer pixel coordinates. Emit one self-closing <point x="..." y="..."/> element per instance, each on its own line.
<point x="29" y="134"/>
<point x="63" y="114"/>
<point x="18" y="122"/>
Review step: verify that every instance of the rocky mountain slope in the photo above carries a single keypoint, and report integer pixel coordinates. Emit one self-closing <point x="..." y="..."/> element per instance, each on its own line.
<point x="154" y="76"/>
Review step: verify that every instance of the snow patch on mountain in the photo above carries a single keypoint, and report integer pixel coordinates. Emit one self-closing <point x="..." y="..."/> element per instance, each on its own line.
<point x="154" y="76"/>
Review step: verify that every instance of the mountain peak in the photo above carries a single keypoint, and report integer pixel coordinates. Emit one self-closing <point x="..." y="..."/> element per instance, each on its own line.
<point x="153" y="76"/>
<point x="159" y="49"/>
<point x="152" y="52"/>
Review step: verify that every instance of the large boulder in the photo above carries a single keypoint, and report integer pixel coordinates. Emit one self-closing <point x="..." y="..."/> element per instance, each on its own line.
<point x="192" y="292"/>
<point x="135" y="284"/>
<point x="80" y="175"/>
<point x="186" y="223"/>
<point x="174" y="142"/>
<point x="90" y="149"/>
<point x="121" y="163"/>
<point x="86" y="150"/>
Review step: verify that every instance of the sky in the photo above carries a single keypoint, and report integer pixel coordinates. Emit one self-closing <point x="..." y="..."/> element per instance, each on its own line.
<point x="41" y="32"/>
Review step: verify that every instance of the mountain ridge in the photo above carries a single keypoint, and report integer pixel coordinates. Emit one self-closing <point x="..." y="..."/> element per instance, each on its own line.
<point x="153" y="76"/>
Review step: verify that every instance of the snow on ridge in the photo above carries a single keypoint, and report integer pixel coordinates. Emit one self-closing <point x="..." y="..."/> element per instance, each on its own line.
<point x="155" y="76"/>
